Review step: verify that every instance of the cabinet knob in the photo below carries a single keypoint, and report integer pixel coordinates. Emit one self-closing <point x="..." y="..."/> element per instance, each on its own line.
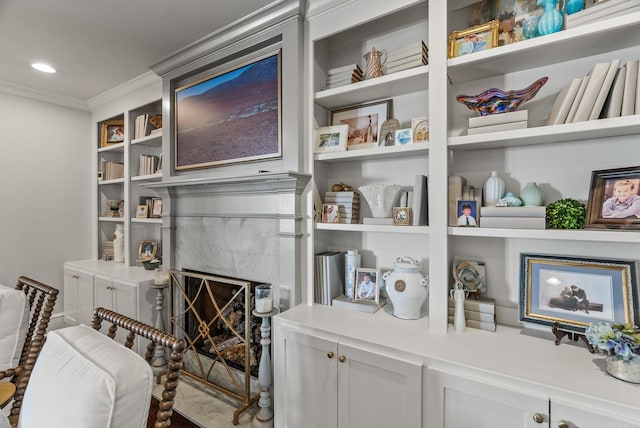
<point x="563" y="424"/>
<point x="341" y="358"/>
<point x="538" y="418"/>
<point x="329" y="354"/>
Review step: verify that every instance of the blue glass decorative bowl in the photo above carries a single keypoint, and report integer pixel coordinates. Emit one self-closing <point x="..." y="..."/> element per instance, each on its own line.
<point x="496" y="100"/>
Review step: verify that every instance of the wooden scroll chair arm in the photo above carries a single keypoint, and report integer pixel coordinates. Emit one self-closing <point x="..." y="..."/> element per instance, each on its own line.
<point x="156" y="337"/>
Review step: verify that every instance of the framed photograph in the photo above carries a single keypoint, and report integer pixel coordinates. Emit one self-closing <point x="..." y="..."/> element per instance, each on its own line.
<point x="404" y="137"/>
<point x="364" y="122"/>
<point x="147" y="250"/>
<point x="401" y="216"/>
<point x="614" y="199"/>
<point x="577" y="291"/>
<point x="330" y="213"/>
<point x="420" y="129"/>
<point x="111" y="132"/>
<point x="156" y="207"/>
<point x="142" y="211"/>
<point x="474" y="39"/>
<point x="367" y="287"/>
<point x="467" y="209"/>
<point x="331" y="139"/>
<point x="230" y="117"/>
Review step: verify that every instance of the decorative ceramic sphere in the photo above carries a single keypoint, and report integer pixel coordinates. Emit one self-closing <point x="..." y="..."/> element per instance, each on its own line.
<point x="532" y="195"/>
<point x="381" y="198"/>
<point x="496" y="100"/>
<point x="573" y="6"/>
<point x="509" y="200"/>
<point x="530" y="27"/>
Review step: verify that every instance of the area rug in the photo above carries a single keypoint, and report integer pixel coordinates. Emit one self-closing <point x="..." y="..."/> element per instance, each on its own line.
<point x="177" y="420"/>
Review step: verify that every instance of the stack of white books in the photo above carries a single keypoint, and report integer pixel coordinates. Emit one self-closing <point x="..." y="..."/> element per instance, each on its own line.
<point x="343" y="75"/>
<point x="413" y="55"/>
<point x="479" y="313"/>
<point x="607" y="91"/>
<point x="348" y="205"/>
<point x="602" y="10"/>
<point x="513" y="217"/>
<point x="358" y="305"/>
<point x="498" y="122"/>
<point x="329" y="276"/>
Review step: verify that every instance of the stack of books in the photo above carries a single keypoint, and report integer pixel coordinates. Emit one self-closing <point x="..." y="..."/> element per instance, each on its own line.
<point x="359" y="305"/>
<point x="607" y="91"/>
<point x="144" y="125"/>
<point x="498" y="122"/>
<point x="513" y="217"/>
<point x="148" y="164"/>
<point x="344" y="75"/>
<point x="348" y="205"/>
<point x="413" y="55"/>
<point x="601" y="10"/>
<point x="329" y="276"/>
<point x="478" y="313"/>
<point x="111" y="170"/>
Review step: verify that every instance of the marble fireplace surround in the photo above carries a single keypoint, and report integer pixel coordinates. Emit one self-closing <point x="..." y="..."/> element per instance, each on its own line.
<point x="246" y="227"/>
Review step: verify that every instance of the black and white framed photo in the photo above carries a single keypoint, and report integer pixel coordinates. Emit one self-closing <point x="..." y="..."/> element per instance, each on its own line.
<point x="367" y="288"/>
<point x="614" y="199"/>
<point x="331" y="139"/>
<point x="576" y="291"/>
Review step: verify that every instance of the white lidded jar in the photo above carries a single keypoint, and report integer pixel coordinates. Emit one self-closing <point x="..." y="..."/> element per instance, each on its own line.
<point x="406" y="288"/>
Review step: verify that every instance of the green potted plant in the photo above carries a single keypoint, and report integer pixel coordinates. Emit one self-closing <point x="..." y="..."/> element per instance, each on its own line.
<point x="566" y="213"/>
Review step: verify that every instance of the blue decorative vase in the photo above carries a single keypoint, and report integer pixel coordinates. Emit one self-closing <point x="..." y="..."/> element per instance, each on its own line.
<point x="493" y="189"/>
<point x="530" y="27"/>
<point x="532" y="195"/>
<point x="551" y="19"/>
<point x="573" y="6"/>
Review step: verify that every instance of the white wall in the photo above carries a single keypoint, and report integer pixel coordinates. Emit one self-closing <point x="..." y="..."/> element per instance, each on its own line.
<point x="45" y="190"/>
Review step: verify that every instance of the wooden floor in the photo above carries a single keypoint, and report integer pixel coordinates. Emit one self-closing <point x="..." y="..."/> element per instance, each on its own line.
<point x="177" y="420"/>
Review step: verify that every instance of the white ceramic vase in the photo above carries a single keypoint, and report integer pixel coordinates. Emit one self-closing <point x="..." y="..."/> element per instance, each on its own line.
<point x="118" y="244"/>
<point x="352" y="261"/>
<point x="532" y="195"/>
<point x="493" y="189"/>
<point x="406" y="288"/>
<point x="381" y="198"/>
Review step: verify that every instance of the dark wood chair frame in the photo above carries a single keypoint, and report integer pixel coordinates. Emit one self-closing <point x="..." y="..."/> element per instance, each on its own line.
<point x="41" y="298"/>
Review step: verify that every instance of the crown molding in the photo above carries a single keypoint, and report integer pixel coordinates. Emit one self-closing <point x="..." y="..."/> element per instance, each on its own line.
<point x="142" y="81"/>
<point x="48" y="97"/>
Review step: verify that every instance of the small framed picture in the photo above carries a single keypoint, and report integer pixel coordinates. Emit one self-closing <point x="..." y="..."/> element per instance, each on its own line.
<point x="147" y="250"/>
<point x="111" y="132"/>
<point x="474" y="39"/>
<point x="404" y="136"/>
<point x="142" y="211"/>
<point x="614" y="199"/>
<point x="331" y="139"/>
<point x="576" y="291"/>
<point x="364" y="122"/>
<point x="420" y="129"/>
<point x="367" y="288"/>
<point x="401" y="216"/>
<point x="467" y="212"/>
<point x="156" y="207"/>
<point x="330" y="213"/>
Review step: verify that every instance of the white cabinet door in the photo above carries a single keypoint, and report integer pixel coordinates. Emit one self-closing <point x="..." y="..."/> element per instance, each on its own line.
<point x="565" y="415"/>
<point x="78" y="297"/>
<point x="116" y="296"/>
<point x="375" y="390"/>
<point x="454" y="401"/>
<point x="305" y="381"/>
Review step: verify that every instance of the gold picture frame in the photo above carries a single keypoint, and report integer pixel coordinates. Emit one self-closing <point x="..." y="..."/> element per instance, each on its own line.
<point x="461" y="42"/>
<point x="147" y="250"/>
<point x="111" y="132"/>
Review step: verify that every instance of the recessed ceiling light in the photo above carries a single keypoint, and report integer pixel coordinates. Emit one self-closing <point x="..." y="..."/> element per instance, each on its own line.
<point x="45" y="68"/>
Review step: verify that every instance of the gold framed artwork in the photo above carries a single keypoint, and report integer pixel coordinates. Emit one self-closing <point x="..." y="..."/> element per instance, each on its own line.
<point x="474" y="39"/>
<point x="142" y="211"/>
<point x="147" y="250"/>
<point x="111" y="132"/>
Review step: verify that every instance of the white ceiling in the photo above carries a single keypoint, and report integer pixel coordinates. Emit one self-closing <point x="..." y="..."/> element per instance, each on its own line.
<point x="96" y="45"/>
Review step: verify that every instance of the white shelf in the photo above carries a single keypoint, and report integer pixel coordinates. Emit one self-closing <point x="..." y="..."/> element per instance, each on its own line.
<point x="591" y="39"/>
<point x="112" y="219"/>
<point x="149" y="140"/>
<point x="148" y="177"/>
<point x="119" y="147"/>
<point x="114" y="181"/>
<point x="392" y="85"/>
<point x="414" y="230"/>
<point x="621" y="236"/>
<point x="602" y="128"/>
<point x="375" y="153"/>
<point x="146" y="220"/>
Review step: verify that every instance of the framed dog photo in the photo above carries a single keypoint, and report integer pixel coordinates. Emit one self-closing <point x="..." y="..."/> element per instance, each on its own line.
<point x="331" y="139"/>
<point x="614" y="199"/>
<point x="467" y="212"/>
<point x="142" y="211"/>
<point x="575" y="291"/>
<point x="367" y="288"/>
<point x="330" y="213"/>
<point x="474" y="39"/>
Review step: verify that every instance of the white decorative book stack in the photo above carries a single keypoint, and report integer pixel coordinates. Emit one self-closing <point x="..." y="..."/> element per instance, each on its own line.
<point x="343" y="75"/>
<point x="478" y="313"/>
<point x="498" y="122"/>
<point x="413" y="55"/>
<point x="601" y="10"/>
<point x="513" y="217"/>
<point x="348" y="205"/>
